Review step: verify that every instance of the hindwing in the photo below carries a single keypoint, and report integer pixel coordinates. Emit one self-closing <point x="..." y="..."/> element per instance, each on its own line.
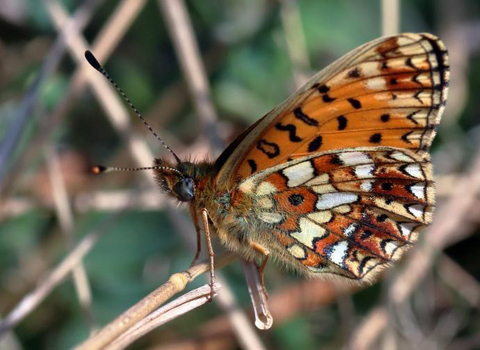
<point x="347" y="212"/>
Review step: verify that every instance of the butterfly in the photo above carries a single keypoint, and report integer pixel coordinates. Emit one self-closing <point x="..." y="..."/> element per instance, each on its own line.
<point x="337" y="179"/>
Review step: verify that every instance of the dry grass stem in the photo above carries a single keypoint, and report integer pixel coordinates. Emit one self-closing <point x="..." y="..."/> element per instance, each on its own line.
<point x="295" y="41"/>
<point x="390" y="17"/>
<point x="292" y="301"/>
<point x="31" y="301"/>
<point x="183" y="304"/>
<point x="460" y="280"/>
<point x="186" y="47"/>
<point x="65" y="217"/>
<point x="175" y="284"/>
<point x="370" y="329"/>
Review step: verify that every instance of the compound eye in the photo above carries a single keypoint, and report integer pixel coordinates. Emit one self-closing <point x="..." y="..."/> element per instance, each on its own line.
<point x="185" y="189"/>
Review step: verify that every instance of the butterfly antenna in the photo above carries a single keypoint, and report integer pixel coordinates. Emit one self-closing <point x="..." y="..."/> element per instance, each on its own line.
<point x="95" y="64"/>
<point x="103" y="169"/>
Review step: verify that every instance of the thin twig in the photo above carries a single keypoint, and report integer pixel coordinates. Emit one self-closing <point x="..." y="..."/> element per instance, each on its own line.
<point x="180" y="27"/>
<point x="175" y="284"/>
<point x="31" y="301"/>
<point x="460" y="280"/>
<point x="294" y="300"/>
<point x="14" y="134"/>
<point x="66" y="221"/>
<point x="295" y="40"/>
<point x="185" y="303"/>
<point x="390" y="17"/>
<point x="370" y="329"/>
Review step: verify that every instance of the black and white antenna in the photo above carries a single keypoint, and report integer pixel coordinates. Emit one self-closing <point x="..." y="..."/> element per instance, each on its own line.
<point x="104" y="169"/>
<point x="95" y="64"/>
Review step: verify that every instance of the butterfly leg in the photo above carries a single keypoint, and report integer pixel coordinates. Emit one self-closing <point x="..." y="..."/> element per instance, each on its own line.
<point x="208" y="239"/>
<point x="266" y="253"/>
<point x="197" y="230"/>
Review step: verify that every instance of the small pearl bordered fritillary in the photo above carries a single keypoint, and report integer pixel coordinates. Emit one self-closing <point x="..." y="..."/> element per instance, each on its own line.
<point x="337" y="179"/>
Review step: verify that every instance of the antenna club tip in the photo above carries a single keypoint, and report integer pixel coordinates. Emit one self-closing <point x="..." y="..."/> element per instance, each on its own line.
<point x="92" y="60"/>
<point x="98" y="169"/>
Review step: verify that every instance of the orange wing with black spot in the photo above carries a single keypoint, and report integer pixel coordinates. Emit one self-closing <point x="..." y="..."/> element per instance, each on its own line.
<point x="389" y="92"/>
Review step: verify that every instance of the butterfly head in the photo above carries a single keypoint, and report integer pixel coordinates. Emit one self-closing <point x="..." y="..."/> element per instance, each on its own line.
<point x="175" y="180"/>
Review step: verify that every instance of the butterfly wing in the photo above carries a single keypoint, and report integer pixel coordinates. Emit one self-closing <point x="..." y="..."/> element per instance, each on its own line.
<point x="389" y="92"/>
<point x="347" y="212"/>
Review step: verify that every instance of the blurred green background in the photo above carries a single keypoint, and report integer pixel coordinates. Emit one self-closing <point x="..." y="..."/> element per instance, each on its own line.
<point x="245" y="51"/>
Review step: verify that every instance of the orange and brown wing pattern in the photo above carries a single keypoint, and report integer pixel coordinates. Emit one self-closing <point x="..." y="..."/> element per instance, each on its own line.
<point x="389" y="92"/>
<point x="347" y="212"/>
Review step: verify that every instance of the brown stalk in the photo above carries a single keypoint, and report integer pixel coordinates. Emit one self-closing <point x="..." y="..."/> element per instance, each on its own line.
<point x="31" y="301"/>
<point x="66" y="221"/>
<point x="175" y="284"/>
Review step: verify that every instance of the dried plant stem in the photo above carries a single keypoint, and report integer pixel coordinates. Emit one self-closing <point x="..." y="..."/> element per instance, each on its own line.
<point x="295" y="40"/>
<point x="294" y="300"/>
<point x="186" y="47"/>
<point x="175" y="284"/>
<point x="65" y="217"/>
<point x="390" y="17"/>
<point x="460" y="280"/>
<point x="34" y="298"/>
<point x="172" y="310"/>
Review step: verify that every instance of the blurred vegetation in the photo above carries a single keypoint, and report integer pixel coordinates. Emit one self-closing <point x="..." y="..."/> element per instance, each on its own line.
<point x="244" y="49"/>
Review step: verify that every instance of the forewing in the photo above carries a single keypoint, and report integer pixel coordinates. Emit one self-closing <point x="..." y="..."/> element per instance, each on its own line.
<point x="347" y="212"/>
<point x="389" y="92"/>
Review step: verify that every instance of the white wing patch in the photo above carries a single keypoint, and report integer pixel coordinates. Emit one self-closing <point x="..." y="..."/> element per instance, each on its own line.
<point x="354" y="158"/>
<point x="339" y="253"/>
<point x="332" y="200"/>
<point x="401" y="157"/>
<point x="297" y="251"/>
<point x="266" y="188"/>
<point x="364" y="171"/>
<point x="414" y="170"/>
<point x="299" y="173"/>
<point x="321" y="217"/>
<point x="308" y="232"/>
